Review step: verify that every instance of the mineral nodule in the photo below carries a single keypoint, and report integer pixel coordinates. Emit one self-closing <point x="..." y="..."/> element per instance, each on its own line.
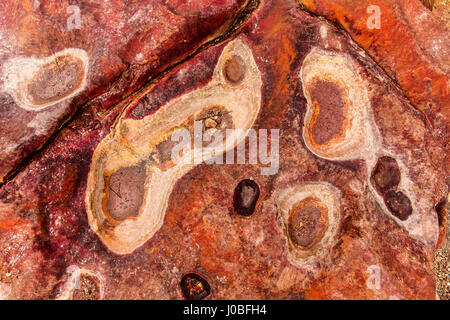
<point x="132" y="143"/>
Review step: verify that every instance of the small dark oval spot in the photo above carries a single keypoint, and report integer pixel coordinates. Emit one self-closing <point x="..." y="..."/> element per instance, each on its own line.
<point x="386" y="174"/>
<point x="398" y="204"/>
<point x="245" y="197"/>
<point x="194" y="287"/>
<point x="89" y="288"/>
<point x="234" y="69"/>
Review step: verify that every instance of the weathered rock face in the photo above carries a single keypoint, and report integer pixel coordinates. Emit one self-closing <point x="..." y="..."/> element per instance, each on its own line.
<point x="56" y="57"/>
<point x="344" y="198"/>
<point x="410" y="43"/>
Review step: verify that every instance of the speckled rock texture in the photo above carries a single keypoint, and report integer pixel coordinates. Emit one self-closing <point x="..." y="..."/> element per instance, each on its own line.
<point x="95" y="204"/>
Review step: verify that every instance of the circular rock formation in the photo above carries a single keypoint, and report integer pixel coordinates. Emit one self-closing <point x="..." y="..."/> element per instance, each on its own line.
<point x="310" y="214"/>
<point x="124" y="192"/>
<point x="307" y="223"/>
<point x="39" y="83"/>
<point x="338" y="124"/>
<point x="234" y="69"/>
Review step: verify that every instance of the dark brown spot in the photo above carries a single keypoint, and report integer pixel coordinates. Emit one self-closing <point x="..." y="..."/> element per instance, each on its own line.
<point x="56" y="80"/>
<point x="234" y="69"/>
<point x="386" y="174"/>
<point x="89" y="288"/>
<point x="194" y="287"/>
<point x="398" y="204"/>
<point x="442" y="210"/>
<point x="428" y="3"/>
<point x="126" y="192"/>
<point x="328" y="118"/>
<point x="303" y="225"/>
<point x="246" y="195"/>
<point x="308" y="222"/>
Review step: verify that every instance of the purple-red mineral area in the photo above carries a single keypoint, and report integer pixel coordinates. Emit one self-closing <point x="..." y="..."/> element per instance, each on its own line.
<point x="232" y="149"/>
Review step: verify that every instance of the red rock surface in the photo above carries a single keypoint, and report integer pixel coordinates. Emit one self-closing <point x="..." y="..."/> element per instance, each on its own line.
<point x="366" y="199"/>
<point x="411" y="45"/>
<point x="127" y="44"/>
